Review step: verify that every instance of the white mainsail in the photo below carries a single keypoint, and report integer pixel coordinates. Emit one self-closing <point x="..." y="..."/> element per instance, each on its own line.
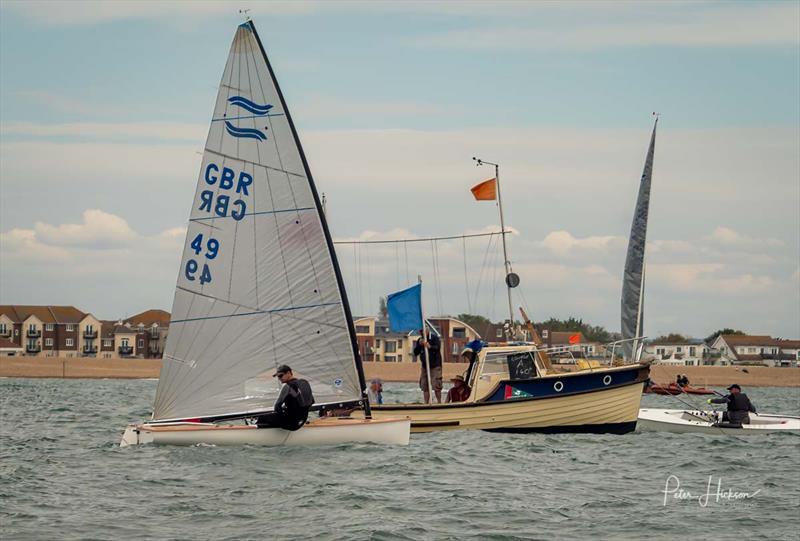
<point x="259" y="285"/>
<point x="632" y="310"/>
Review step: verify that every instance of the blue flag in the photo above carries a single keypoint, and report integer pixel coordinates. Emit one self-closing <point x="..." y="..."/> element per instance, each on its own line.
<point x="405" y="309"/>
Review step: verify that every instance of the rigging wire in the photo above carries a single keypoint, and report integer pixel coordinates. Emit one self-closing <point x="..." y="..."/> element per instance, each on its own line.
<point x="466" y="280"/>
<point x="405" y="247"/>
<point x="426" y="239"/>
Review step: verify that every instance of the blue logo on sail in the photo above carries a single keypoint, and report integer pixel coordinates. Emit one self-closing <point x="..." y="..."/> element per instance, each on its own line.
<point x="250" y="106"/>
<point x="246" y="133"/>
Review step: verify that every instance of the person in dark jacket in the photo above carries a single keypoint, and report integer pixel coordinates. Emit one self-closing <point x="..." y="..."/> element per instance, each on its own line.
<point x="429" y="346"/>
<point x="739" y="406"/>
<point x="293" y="403"/>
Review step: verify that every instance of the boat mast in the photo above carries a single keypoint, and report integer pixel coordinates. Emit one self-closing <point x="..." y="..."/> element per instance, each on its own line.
<point x="362" y="381"/>
<point x="512" y="280"/>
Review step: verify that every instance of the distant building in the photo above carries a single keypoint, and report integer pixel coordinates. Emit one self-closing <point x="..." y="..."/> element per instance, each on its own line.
<point x="9" y="348"/>
<point x="65" y="331"/>
<point x="690" y="352"/>
<point x="759" y="350"/>
<point x="376" y="342"/>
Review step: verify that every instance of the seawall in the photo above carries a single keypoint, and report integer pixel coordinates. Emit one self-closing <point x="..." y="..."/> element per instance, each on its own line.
<point x="54" y="367"/>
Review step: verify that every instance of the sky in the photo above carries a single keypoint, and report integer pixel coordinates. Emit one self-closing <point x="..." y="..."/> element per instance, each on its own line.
<point x="104" y="108"/>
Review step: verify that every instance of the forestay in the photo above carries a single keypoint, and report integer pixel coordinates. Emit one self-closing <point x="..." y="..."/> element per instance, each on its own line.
<point x="632" y="312"/>
<point x="258" y="284"/>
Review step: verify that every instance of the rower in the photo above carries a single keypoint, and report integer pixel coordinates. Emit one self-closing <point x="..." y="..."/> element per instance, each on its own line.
<point x="739" y="406"/>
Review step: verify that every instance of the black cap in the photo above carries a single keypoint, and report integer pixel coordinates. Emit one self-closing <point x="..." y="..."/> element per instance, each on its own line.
<point x="734" y="386"/>
<point x="282" y="368"/>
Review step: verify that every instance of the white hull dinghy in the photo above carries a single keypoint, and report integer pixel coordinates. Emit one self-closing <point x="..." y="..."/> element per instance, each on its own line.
<point x="323" y="431"/>
<point x="709" y="422"/>
<point x="259" y="286"/>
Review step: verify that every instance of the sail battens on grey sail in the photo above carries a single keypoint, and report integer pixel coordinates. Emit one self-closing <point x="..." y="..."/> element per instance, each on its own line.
<point x="257" y="285"/>
<point x="632" y="312"/>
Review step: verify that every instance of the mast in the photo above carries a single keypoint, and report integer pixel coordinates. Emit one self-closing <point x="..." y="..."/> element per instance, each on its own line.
<point x="328" y="239"/>
<point x="512" y="280"/>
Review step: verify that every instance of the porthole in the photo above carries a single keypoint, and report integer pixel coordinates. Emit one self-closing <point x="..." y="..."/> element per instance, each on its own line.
<point x="606" y="379"/>
<point x="558" y="386"/>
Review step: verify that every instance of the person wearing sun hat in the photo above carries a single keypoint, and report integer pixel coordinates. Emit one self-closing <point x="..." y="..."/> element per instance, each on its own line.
<point x="739" y="406"/>
<point x="459" y="392"/>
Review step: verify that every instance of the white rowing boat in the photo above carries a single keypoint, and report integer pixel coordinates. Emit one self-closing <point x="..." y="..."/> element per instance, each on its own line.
<point x="710" y="422"/>
<point x="259" y="286"/>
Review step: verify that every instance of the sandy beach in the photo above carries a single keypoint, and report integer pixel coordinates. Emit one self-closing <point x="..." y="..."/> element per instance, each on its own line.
<point x="54" y="367"/>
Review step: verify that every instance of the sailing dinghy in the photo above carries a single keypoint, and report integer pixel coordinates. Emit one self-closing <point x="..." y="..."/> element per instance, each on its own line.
<point x="259" y="286"/>
<point x="710" y="422"/>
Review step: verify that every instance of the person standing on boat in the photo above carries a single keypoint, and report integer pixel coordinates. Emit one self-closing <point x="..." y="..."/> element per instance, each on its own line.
<point x="293" y="403"/>
<point x="739" y="406"/>
<point x="375" y="391"/>
<point x="430" y="342"/>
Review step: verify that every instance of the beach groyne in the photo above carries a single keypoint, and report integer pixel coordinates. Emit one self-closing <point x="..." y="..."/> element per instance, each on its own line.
<point x="57" y="367"/>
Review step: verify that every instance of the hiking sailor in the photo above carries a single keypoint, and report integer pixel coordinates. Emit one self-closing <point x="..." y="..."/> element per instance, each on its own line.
<point x="739" y="406"/>
<point x="293" y="403"/>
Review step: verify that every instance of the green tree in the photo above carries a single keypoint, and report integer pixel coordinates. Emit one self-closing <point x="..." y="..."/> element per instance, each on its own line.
<point x="383" y="310"/>
<point x="479" y="323"/>
<point x="671" y="338"/>
<point x="710" y="339"/>
<point x="593" y="333"/>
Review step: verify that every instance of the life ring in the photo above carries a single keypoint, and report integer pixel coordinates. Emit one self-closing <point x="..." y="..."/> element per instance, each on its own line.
<point x="606" y="379"/>
<point x="558" y="386"/>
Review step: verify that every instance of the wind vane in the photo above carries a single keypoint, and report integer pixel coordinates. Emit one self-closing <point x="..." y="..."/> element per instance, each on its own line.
<point x="245" y="13"/>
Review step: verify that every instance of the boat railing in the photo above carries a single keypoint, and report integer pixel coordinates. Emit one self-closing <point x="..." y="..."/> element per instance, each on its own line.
<point x="615" y="343"/>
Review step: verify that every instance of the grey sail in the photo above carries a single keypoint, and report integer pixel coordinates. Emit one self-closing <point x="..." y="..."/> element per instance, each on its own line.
<point x="633" y="278"/>
<point x="258" y="285"/>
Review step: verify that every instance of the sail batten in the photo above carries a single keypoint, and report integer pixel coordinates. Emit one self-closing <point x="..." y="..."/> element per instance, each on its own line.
<point x="258" y="285"/>
<point x="632" y="305"/>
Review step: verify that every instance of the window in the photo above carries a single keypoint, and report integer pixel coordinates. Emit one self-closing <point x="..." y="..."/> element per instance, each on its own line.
<point x="751" y="350"/>
<point x="69" y="342"/>
<point x="89" y="329"/>
<point x="70" y="328"/>
<point x="459" y="332"/>
<point x="389" y="358"/>
<point x="377" y="342"/>
<point x="692" y="351"/>
<point x="2" y="328"/>
<point x="48" y="342"/>
<point x="680" y="349"/>
<point x="141" y="343"/>
<point x="362" y="329"/>
<point x="659" y="351"/>
<point x="106" y="355"/>
<point x="123" y="342"/>
<point x="391" y="347"/>
<point x="50" y="327"/>
<point x="545" y="333"/>
<point x="107" y="343"/>
<point x="455" y="348"/>
<point x="499" y="333"/>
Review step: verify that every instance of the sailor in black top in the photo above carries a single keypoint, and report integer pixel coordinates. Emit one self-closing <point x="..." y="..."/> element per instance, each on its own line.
<point x="739" y="406"/>
<point x="292" y="405"/>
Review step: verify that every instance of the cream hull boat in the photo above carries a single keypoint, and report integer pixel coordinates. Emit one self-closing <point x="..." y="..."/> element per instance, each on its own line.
<point x="603" y="408"/>
<point x="683" y="421"/>
<point x="324" y="431"/>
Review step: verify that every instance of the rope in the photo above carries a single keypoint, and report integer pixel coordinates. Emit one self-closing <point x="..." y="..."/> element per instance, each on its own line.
<point x="427" y="239"/>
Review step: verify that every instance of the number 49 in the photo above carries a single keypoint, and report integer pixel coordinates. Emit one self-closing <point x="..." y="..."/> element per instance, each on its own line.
<point x="212" y="246"/>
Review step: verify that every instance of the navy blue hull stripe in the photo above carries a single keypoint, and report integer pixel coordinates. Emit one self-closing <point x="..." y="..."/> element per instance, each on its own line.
<point x="607" y="428"/>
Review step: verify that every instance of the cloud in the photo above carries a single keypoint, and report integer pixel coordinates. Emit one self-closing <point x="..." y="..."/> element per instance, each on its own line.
<point x="562" y="242"/>
<point x="99" y="230"/>
<point x="728" y="237"/>
<point x="712" y="279"/>
<point x="88" y="12"/>
<point x="720" y="25"/>
<point x="103" y="131"/>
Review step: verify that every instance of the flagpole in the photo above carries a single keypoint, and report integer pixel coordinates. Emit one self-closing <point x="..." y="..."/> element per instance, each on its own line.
<point x="506" y="261"/>
<point x="424" y="353"/>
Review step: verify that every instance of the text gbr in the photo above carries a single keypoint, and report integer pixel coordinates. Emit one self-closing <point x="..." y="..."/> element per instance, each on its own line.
<point x="222" y="205"/>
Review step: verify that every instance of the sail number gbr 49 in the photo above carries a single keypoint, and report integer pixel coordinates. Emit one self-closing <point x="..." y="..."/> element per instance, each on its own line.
<point x="217" y="205"/>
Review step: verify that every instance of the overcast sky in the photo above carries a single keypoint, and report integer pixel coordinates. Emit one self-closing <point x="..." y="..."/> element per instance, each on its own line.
<point x="105" y="107"/>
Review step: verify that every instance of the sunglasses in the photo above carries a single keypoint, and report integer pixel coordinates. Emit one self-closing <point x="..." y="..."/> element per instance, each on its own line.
<point x="280" y="374"/>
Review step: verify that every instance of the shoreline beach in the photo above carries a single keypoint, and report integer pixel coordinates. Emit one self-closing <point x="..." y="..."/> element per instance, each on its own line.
<point x="90" y="368"/>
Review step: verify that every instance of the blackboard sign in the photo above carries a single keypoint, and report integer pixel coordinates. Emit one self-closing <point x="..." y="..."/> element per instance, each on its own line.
<point x="520" y="366"/>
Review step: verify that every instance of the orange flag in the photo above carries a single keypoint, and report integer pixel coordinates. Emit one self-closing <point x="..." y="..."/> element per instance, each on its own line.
<point x="575" y="338"/>
<point x="486" y="190"/>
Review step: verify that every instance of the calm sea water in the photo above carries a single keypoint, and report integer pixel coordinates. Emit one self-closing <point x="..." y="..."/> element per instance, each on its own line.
<point x="63" y="476"/>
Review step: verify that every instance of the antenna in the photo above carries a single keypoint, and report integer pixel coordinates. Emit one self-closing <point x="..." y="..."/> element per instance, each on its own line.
<point x="245" y="14"/>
